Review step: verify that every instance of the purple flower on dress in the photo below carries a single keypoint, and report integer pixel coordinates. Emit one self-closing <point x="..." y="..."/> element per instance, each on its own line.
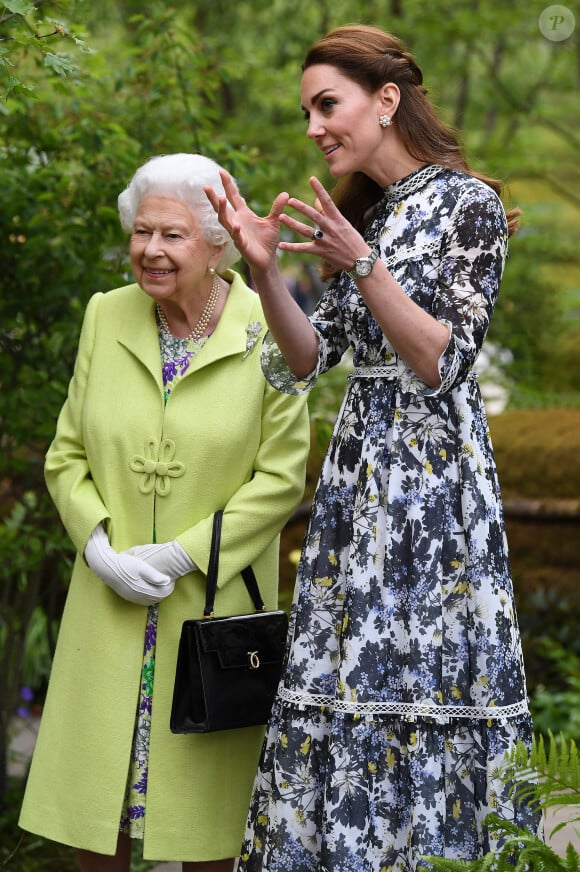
<point x="141" y="785"/>
<point x="183" y="362"/>
<point x="150" y="635"/>
<point x="146" y="704"/>
<point x="169" y="371"/>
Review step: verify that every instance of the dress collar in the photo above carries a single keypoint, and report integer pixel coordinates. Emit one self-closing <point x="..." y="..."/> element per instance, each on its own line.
<point x="412" y="183"/>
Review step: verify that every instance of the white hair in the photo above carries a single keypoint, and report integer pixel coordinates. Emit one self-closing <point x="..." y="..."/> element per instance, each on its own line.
<point x="181" y="177"/>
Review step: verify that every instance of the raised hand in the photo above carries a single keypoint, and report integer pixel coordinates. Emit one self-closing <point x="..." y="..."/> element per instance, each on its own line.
<point x="255" y="238"/>
<point x="339" y="245"/>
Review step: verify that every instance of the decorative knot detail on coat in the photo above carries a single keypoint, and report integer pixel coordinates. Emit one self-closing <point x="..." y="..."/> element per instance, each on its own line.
<point x="157" y="466"/>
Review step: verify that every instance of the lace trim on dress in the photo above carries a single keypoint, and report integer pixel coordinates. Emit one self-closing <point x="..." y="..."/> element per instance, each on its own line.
<point x="403" y="255"/>
<point x="389" y="372"/>
<point x="410" y="711"/>
<point x="412" y="183"/>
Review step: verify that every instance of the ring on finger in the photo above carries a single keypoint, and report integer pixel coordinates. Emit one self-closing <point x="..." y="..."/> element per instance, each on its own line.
<point x="318" y="234"/>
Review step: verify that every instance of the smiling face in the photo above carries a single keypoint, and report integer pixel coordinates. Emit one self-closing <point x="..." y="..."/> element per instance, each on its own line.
<point x="170" y="258"/>
<point x="343" y="120"/>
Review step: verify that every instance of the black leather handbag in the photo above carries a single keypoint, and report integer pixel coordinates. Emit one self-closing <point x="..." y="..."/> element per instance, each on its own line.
<point x="228" y="668"/>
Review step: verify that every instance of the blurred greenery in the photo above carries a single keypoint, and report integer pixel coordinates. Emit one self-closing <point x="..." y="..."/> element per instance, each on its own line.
<point x="88" y="91"/>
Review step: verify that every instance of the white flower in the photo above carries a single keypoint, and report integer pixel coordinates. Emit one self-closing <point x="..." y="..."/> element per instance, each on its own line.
<point x="253" y="330"/>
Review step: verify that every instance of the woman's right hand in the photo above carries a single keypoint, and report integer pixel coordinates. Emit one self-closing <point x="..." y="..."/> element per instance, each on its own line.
<point x="255" y="238"/>
<point x="131" y="578"/>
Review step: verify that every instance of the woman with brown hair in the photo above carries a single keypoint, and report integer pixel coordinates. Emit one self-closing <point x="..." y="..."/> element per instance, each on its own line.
<point x="404" y="682"/>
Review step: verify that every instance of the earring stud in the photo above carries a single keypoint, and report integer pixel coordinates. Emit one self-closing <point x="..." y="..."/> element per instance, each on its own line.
<point x="385" y="120"/>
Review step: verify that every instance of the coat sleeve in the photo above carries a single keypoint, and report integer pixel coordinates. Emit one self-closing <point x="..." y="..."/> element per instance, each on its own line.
<point x="66" y="469"/>
<point x="256" y="513"/>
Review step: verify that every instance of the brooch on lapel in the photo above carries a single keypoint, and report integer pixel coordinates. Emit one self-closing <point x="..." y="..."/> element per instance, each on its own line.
<point x="253" y="331"/>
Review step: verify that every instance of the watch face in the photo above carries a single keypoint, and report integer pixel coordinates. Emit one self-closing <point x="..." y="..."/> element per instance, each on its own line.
<point x="363" y="267"/>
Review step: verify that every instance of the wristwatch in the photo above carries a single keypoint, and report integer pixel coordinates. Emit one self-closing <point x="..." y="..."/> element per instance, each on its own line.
<point x="362" y="265"/>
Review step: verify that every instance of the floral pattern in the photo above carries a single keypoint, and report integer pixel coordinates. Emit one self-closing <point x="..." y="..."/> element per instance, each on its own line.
<point x="404" y="680"/>
<point x="176" y="355"/>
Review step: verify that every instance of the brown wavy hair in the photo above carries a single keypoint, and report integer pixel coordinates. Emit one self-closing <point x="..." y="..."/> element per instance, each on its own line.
<point x="371" y="57"/>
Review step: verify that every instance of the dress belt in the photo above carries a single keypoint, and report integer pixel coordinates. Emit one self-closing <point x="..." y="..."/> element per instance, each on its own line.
<point x="388" y="372"/>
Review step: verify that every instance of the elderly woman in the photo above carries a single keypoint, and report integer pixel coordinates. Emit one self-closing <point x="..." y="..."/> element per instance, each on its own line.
<point x="168" y="418"/>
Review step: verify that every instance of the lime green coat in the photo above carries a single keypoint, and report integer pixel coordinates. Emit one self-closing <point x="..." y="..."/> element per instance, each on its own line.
<point x="225" y="439"/>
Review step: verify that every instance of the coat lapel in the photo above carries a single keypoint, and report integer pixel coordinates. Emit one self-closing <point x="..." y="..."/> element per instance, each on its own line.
<point x="139" y="334"/>
<point x="231" y="334"/>
<point x="139" y="331"/>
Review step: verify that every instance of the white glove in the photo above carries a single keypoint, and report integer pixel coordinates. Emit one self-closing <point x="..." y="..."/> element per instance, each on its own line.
<point x="168" y="557"/>
<point x="129" y="577"/>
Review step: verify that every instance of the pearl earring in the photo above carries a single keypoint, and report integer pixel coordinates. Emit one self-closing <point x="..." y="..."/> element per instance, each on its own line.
<point x="385" y="120"/>
<point x="211" y="271"/>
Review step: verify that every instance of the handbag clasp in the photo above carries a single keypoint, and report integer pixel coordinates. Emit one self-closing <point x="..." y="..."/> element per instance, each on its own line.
<point x="253" y="659"/>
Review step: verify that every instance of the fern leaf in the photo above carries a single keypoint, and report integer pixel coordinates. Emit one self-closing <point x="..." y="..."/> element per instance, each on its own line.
<point x="572" y="859"/>
<point x="563" y="824"/>
<point x="522" y="852"/>
<point x="445" y="864"/>
<point x="549" y="778"/>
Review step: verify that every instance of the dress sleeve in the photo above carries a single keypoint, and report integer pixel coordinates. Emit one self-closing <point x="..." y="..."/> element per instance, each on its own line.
<point x="332" y="343"/>
<point x="66" y="469"/>
<point x="472" y="262"/>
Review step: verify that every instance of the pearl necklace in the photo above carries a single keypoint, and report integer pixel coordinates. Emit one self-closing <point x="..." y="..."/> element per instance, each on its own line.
<point x="204" y="318"/>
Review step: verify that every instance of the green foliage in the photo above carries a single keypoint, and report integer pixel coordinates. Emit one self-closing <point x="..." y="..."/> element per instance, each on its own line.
<point x="549" y="622"/>
<point x="324" y="402"/>
<point x="33" y="40"/>
<point x="549" y="777"/>
<point x="529" y="299"/>
<point x="556" y="705"/>
<point x="521" y="852"/>
<point x="34" y="569"/>
<point x="88" y="91"/>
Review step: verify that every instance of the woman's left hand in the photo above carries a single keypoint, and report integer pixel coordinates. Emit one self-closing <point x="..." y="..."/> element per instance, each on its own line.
<point x="339" y="245"/>
<point x="166" y="557"/>
<point x="255" y="238"/>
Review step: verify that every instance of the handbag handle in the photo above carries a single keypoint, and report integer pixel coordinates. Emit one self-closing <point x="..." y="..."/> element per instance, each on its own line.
<point x="212" y="572"/>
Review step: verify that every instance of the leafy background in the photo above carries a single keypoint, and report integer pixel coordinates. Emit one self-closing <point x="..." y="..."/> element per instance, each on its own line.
<point x="89" y="91"/>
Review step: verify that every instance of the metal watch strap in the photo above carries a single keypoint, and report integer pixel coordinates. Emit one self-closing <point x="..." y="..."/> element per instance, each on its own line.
<point x="370" y="259"/>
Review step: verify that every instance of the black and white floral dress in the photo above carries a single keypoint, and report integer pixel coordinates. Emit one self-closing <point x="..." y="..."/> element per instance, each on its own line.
<point x="404" y="683"/>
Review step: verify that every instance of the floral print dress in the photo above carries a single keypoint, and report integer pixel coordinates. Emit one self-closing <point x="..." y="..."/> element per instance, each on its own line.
<point x="404" y="681"/>
<point x="176" y="356"/>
